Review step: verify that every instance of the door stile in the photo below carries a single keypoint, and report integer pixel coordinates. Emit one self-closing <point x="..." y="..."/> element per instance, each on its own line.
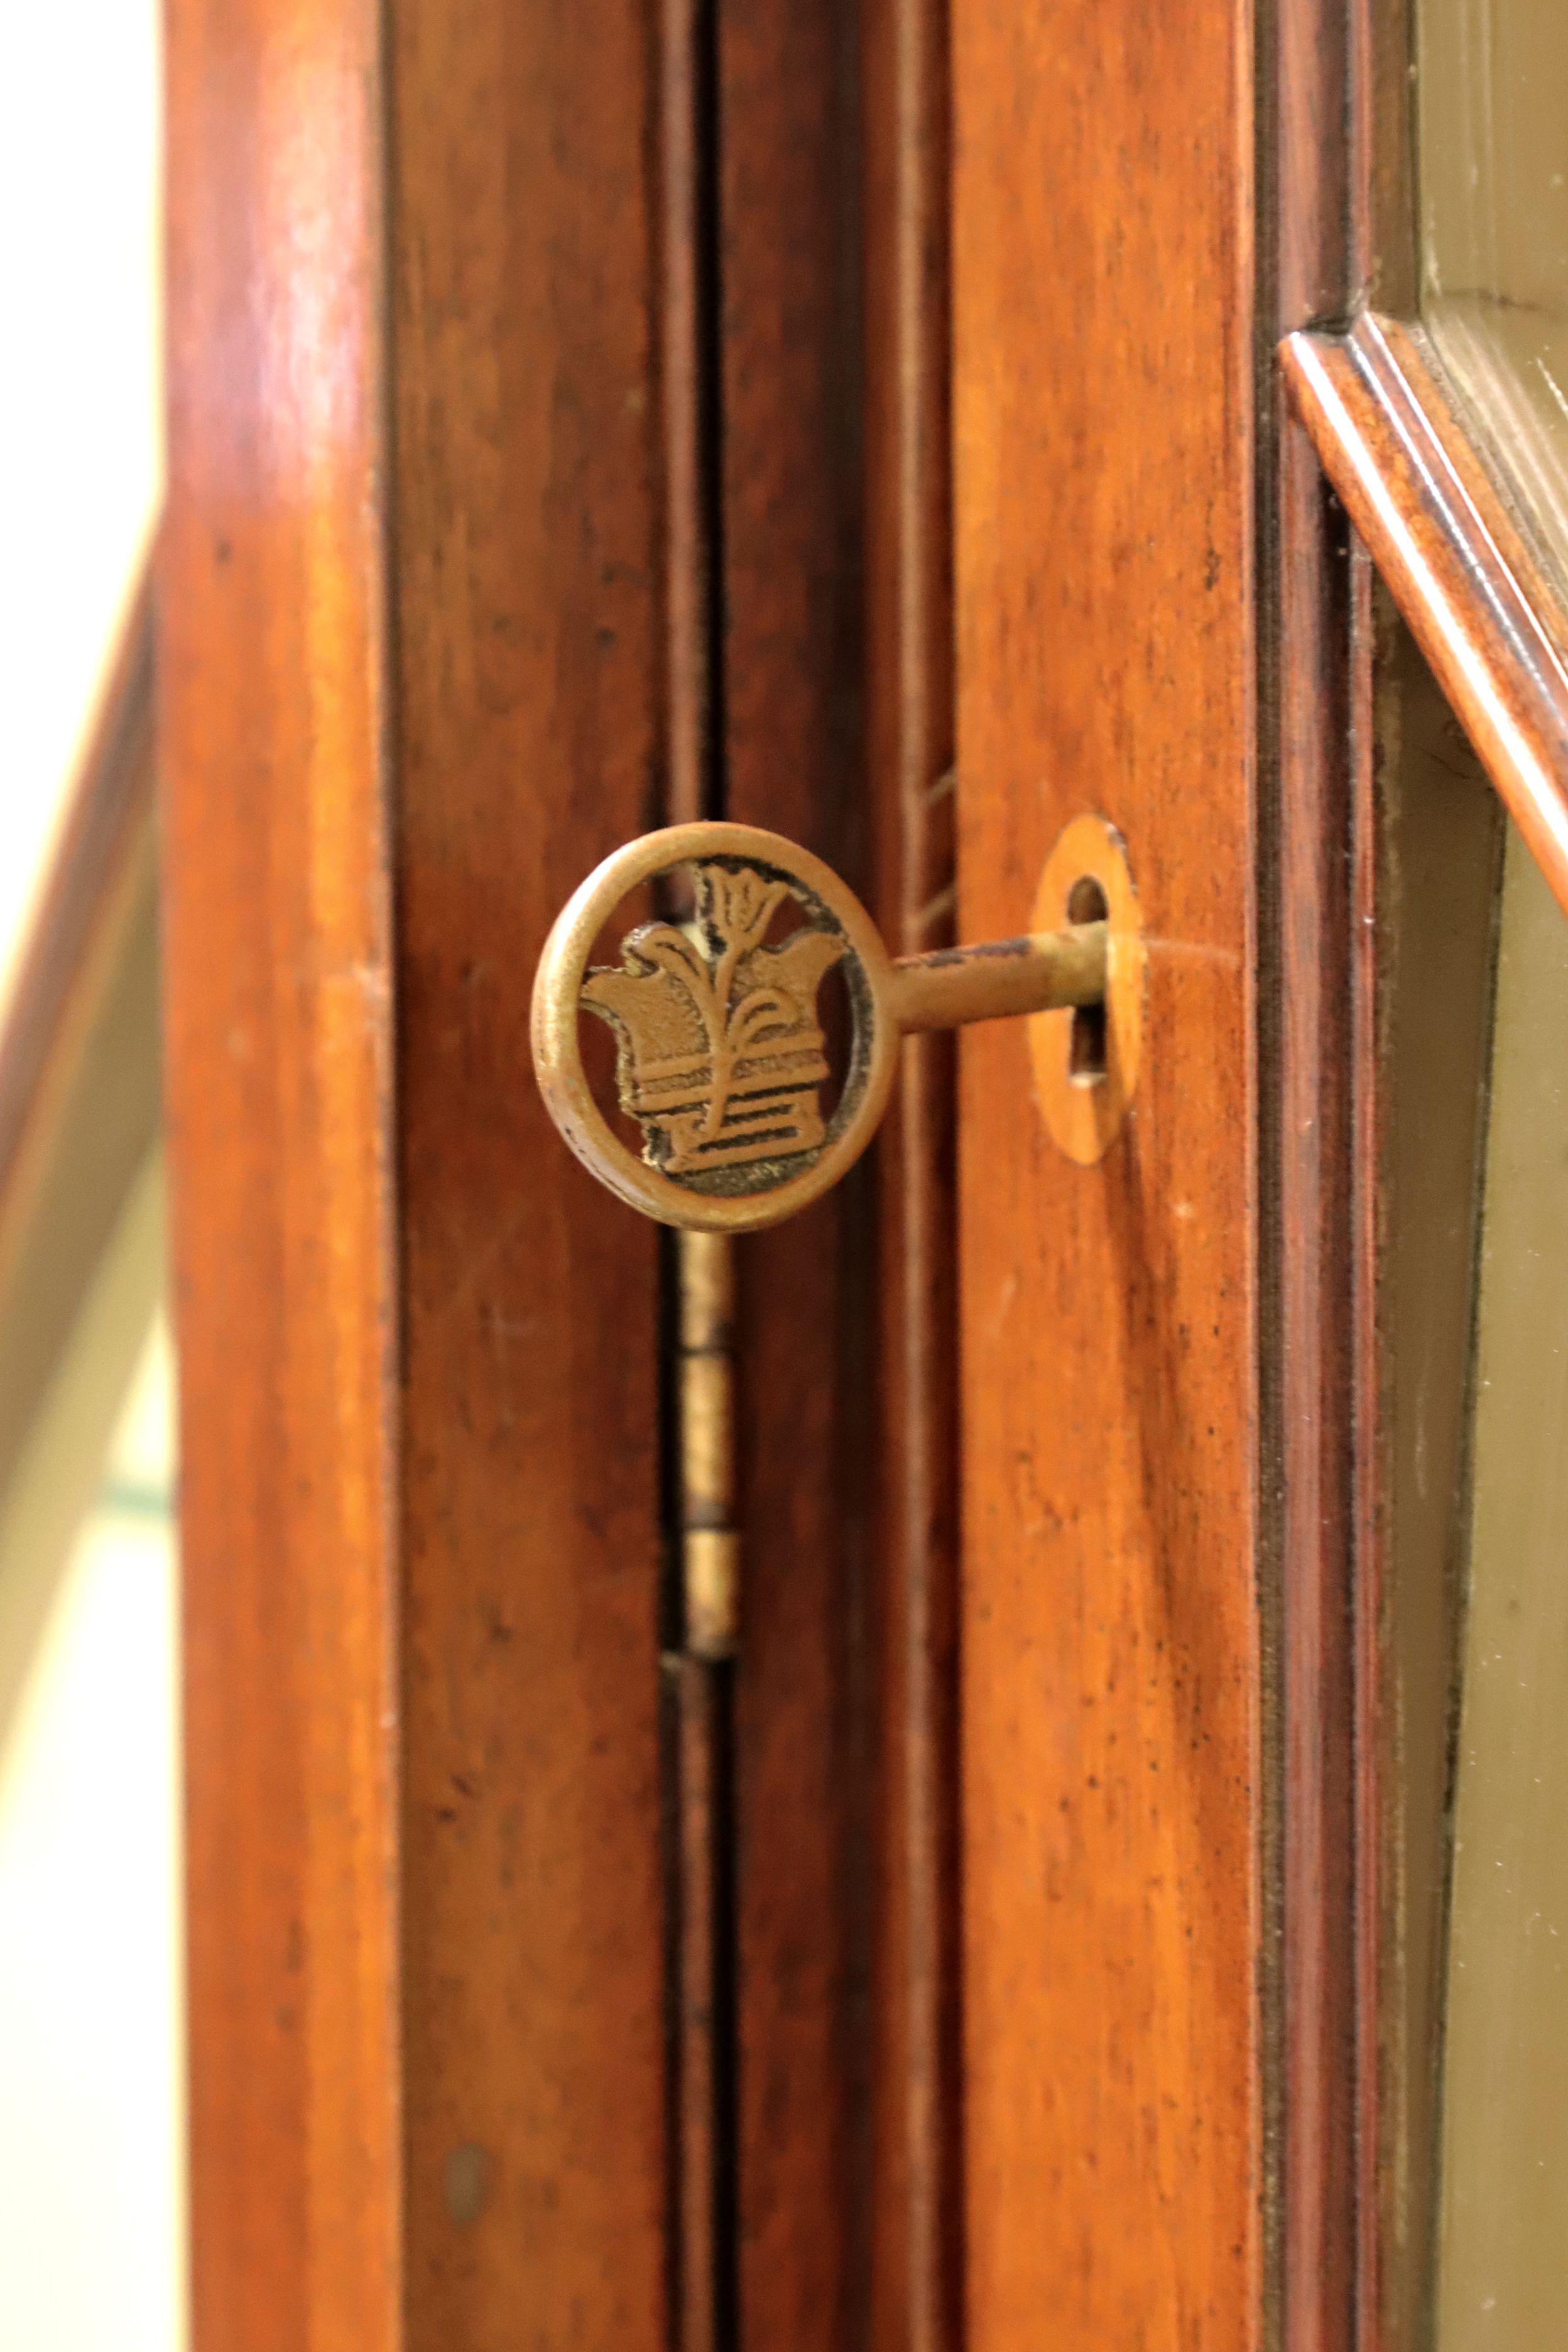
<point x="274" y="727"/>
<point x="1342" y="210"/>
<point x="532" y="483"/>
<point x="419" y="1356"/>
<point x="1110" y="1694"/>
<point x="1314" y="1031"/>
<point x="530" y="685"/>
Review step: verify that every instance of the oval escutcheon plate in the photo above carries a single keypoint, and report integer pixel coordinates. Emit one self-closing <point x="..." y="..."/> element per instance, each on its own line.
<point x="721" y="1056"/>
<point x="1085" y="1110"/>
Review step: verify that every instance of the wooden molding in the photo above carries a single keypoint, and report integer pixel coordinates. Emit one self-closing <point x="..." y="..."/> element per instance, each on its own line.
<point x="79" y="1047"/>
<point x="1338" y="226"/>
<point x="915" y="2237"/>
<point x="1391" y="442"/>
<point x="273" y="745"/>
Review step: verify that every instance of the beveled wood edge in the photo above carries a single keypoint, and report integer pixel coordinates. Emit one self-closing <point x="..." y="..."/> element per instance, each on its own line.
<point x="1341" y="222"/>
<point x="82" y="1000"/>
<point x="1390" y="440"/>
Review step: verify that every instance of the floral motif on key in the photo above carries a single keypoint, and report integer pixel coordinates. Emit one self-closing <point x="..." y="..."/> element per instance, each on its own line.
<point x="720" y="1054"/>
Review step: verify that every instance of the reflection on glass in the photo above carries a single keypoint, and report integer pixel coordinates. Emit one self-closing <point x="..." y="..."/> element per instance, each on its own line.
<point x="81" y="425"/>
<point x="1443" y="828"/>
<point x="1493" y="111"/>
<point x="91" y="2049"/>
<point x="1502" y="2273"/>
<point x="1484" y="2203"/>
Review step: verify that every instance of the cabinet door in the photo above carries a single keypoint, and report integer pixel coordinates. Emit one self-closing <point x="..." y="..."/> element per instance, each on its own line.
<point x="578" y="420"/>
<point x="1104" y="503"/>
<point x="866" y="424"/>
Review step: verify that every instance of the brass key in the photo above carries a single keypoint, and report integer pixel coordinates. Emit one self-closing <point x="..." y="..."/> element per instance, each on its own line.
<point x="721" y="1059"/>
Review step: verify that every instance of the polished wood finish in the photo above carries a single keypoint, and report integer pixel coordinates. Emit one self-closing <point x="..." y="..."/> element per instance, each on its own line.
<point x="1336" y="707"/>
<point x="443" y="1430"/>
<point x="1317" y="869"/>
<point x="915" y="2239"/>
<point x="79" y="1051"/>
<point x="792" y="754"/>
<point x="530" y="687"/>
<point x="421" y="1487"/>
<point x="274" y="740"/>
<point x="1326" y="877"/>
<point x="1111" y="1697"/>
<point x="1413" y="481"/>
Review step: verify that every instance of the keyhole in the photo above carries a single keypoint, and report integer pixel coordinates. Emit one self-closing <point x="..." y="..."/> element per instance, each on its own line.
<point x="1086" y="1049"/>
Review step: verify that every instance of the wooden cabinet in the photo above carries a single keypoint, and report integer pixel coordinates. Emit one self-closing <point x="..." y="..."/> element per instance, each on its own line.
<point x="866" y="424"/>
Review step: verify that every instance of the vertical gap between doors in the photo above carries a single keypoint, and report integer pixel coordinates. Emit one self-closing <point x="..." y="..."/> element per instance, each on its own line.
<point x="698" y="1807"/>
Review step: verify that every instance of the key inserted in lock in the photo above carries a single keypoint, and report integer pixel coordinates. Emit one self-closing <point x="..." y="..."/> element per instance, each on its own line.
<point x="721" y="1055"/>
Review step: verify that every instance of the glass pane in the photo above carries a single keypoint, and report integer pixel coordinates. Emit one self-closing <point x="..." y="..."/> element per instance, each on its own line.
<point x="1477" y="1714"/>
<point x="1493" y="110"/>
<point x="91" y="2055"/>
<point x="80" y="392"/>
<point x="1503" y="2247"/>
<point x="1475" y="1297"/>
<point x="1443" y="831"/>
<point x="92" y="2250"/>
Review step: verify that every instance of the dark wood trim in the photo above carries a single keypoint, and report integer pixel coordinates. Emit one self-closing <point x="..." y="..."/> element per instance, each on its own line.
<point x="1317" y="855"/>
<point x="1391" y="439"/>
<point x="1320" y="843"/>
<point x="916" y="2247"/>
<point x="792" y="759"/>
<point x="79" y="1051"/>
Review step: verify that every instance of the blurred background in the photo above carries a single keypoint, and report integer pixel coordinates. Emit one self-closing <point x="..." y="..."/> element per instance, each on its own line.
<point x="91" y="2196"/>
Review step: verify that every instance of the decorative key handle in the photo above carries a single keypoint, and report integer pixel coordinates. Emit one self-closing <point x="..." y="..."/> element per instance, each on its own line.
<point x="721" y="1059"/>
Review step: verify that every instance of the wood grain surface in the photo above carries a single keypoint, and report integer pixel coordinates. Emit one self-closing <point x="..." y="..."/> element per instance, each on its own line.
<point x="1326" y="1192"/>
<point x="1318" y="867"/>
<point x="560" y="440"/>
<point x="789" y="387"/>
<point x="445" y="1877"/>
<point x="1111" y="1677"/>
<point x="915" y="2250"/>
<point x="1477" y="601"/>
<point x="529" y="692"/>
<point x="274" y="736"/>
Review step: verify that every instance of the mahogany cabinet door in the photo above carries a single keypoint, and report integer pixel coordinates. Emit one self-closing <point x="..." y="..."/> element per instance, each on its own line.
<point x="859" y="422"/>
<point x="408" y="681"/>
<point x="1106" y="631"/>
